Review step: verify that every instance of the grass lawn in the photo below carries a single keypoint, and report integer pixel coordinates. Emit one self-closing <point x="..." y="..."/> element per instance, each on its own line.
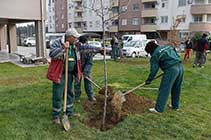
<point x="25" y="105"/>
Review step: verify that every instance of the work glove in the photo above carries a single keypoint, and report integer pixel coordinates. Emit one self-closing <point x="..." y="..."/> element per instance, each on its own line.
<point x="147" y="82"/>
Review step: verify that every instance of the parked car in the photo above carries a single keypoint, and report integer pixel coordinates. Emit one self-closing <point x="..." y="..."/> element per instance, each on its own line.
<point x="135" y="48"/>
<point x="95" y="43"/>
<point x="50" y="37"/>
<point x="30" y="41"/>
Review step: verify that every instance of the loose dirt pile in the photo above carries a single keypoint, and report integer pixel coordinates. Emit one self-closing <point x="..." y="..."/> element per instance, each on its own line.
<point x="134" y="104"/>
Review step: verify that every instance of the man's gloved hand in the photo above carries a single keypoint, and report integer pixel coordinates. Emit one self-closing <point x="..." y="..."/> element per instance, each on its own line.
<point x="147" y="82"/>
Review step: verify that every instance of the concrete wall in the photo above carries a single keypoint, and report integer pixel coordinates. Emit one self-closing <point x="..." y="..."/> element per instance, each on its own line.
<point x="20" y="9"/>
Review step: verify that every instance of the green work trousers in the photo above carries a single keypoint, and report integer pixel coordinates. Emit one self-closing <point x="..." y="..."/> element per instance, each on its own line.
<point x="114" y="53"/>
<point x="58" y="90"/>
<point x="87" y="85"/>
<point x="171" y="83"/>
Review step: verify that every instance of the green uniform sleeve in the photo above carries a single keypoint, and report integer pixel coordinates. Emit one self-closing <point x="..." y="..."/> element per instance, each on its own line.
<point x="154" y="68"/>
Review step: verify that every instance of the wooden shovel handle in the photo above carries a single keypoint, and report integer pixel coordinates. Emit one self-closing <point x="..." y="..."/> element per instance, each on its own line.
<point x="141" y="85"/>
<point x="66" y="80"/>
<point x="92" y="82"/>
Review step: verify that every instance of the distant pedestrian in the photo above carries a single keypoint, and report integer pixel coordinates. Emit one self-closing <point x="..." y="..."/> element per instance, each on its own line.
<point x="188" y="47"/>
<point x="201" y="48"/>
<point x="114" y="47"/>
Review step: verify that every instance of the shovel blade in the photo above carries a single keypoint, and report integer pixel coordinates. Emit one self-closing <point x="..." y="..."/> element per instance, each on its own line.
<point x="66" y="123"/>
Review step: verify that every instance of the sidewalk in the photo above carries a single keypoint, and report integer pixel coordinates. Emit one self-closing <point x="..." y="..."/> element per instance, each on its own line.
<point x="29" y="51"/>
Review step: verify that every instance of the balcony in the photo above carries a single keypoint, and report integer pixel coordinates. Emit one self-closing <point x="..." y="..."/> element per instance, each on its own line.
<point x="149" y="13"/>
<point x="113" y="28"/>
<point x="78" y="19"/>
<point x="148" y="28"/>
<point x="201" y="9"/>
<point x="197" y="27"/>
<point x="144" y="1"/>
<point x="77" y="0"/>
<point x="79" y="9"/>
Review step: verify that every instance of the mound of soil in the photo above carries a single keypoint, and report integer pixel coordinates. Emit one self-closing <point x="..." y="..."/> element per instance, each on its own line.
<point x="134" y="104"/>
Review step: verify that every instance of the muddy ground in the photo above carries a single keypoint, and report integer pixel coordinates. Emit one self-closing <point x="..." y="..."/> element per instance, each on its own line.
<point x="116" y="113"/>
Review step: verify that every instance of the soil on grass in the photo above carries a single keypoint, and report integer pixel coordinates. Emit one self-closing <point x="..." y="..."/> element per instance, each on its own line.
<point x="134" y="104"/>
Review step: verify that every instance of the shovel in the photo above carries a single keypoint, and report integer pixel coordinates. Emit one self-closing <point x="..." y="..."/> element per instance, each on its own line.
<point x="120" y="97"/>
<point x="65" y="121"/>
<point x="96" y="85"/>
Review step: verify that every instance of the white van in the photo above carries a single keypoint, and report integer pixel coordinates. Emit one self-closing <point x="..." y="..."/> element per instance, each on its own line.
<point x="135" y="48"/>
<point x="130" y="37"/>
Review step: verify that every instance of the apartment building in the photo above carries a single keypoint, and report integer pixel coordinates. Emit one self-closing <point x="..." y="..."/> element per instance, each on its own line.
<point x="189" y="16"/>
<point x="130" y="16"/>
<point x="61" y="21"/>
<point x="173" y="15"/>
<point x="201" y="16"/>
<point x="149" y="18"/>
<point x="114" y="16"/>
<point x="83" y="15"/>
<point x="51" y="16"/>
<point x="75" y="15"/>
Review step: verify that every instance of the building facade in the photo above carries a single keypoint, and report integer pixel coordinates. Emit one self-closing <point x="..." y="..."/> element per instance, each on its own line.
<point x="61" y="21"/>
<point x="13" y="12"/>
<point x="114" y="17"/>
<point x="149" y="17"/>
<point x="51" y="16"/>
<point x="130" y="16"/>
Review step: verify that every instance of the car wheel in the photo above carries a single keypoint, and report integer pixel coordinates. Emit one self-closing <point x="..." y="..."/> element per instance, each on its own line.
<point x="133" y="55"/>
<point x="29" y="44"/>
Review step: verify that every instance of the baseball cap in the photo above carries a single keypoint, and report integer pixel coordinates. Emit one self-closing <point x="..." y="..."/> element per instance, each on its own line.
<point x="72" y="32"/>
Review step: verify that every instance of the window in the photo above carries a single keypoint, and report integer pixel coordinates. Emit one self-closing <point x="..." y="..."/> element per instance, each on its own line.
<point x="124" y="8"/>
<point x="209" y="1"/>
<point x="115" y="22"/>
<point x="136" y="7"/>
<point x="62" y="26"/>
<point x="198" y="18"/>
<point x="90" y="24"/>
<point x="115" y="10"/>
<point x="208" y="18"/>
<point x="164" y="19"/>
<point x="70" y="25"/>
<point x="164" y="4"/>
<point x="135" y="21"/>
<point x="199" y="1"/>
<point x="182" y="3"/>
<point x="149" y="21"/>
<point x="62" y="16"/>
<point x="124" y="21"/>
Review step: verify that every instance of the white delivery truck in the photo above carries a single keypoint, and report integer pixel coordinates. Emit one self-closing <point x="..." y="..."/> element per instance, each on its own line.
<point x="130" y="37"/>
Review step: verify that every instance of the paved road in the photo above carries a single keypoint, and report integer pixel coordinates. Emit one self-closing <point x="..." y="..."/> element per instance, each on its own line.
<point x="30" y="51"/>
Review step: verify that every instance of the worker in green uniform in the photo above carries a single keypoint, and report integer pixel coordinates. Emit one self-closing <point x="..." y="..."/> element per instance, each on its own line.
<point x="169" y="61"/>
<point x="57" y="51"/>
<point x="114" y="47"/>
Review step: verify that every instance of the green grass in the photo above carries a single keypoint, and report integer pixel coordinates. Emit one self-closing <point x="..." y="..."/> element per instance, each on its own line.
<point x="25" y="105"/>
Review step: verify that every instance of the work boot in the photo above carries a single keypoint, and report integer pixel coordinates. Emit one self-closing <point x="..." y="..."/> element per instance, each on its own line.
<point x="56" y="120"/>
<point x="153" y="110"/>
<point x="92" y="98"/>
